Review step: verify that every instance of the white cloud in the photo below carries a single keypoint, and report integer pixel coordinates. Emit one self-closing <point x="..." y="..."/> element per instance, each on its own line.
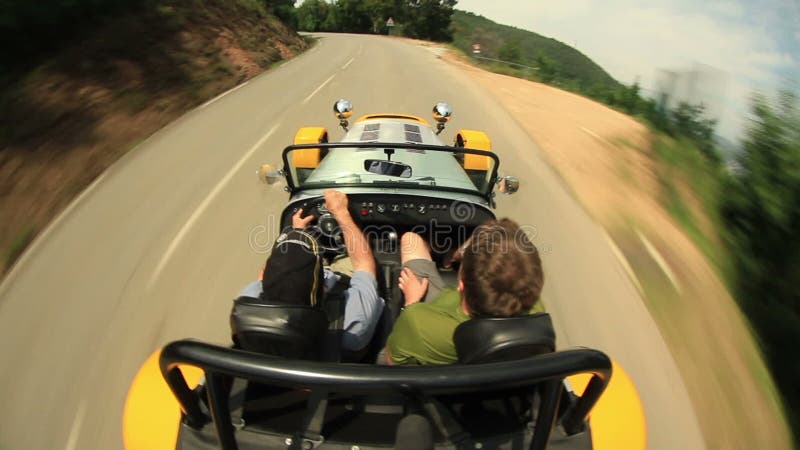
<point x="633" y="40"/>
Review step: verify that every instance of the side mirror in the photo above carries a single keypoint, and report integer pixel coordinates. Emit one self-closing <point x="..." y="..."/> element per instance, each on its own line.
<point x="269" y="174"/>
<point x="343" y="109"/>
<point x="508" y="185"/>
<point x="441" y="113"/>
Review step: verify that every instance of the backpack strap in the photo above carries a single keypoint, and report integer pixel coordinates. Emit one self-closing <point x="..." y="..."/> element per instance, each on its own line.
<point x="334" y="308"/>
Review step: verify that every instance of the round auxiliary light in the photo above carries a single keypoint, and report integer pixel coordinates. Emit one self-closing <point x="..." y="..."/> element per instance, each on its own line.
<point x="442" y="112"/>
<point x="343" y="109"/>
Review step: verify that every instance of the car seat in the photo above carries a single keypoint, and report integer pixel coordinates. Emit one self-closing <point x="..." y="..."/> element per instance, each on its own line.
<point x="488" y="340"/>
<point x="290" y="331"/>
<point x="503" y="339"/>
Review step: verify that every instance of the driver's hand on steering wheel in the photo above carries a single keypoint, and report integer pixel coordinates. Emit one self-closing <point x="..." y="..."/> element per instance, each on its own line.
<point x="336" y="203"/>
<point x="300" y="223"/>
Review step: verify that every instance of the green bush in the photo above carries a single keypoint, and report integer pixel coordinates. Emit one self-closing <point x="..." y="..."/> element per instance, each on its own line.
<point x="19" y="244"/>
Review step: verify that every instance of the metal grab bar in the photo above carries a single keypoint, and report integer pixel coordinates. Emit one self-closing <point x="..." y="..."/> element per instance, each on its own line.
<point x="372" y="379"/>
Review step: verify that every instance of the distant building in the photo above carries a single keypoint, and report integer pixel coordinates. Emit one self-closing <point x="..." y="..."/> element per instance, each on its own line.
<point x="700" y="84"/>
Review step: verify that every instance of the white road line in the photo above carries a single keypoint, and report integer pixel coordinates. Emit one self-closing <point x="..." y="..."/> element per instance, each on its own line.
<point x="75" y="430"/>
<point x="202" y="207"/>
<point x="596" y="136"/>
<point x="318" y="89"/>
<point x="590" y="133"/>
<point x="223" y="94"/>
<point x="651" y="249"/>
<point x="624" y="262"/>
<point x="348" y="63"/>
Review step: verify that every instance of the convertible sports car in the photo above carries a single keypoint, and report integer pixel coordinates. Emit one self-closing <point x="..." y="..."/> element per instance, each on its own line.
<point x="287" y="384"/>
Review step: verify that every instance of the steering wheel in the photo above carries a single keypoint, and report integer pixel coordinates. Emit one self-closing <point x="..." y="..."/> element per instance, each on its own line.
<point x="324" y="227"/>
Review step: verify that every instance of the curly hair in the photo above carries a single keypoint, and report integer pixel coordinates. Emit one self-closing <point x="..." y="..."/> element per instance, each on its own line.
<point x="501" y="271"/>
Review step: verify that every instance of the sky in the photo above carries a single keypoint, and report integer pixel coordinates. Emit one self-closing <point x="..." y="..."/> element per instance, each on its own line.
<point x="741" y="46"/>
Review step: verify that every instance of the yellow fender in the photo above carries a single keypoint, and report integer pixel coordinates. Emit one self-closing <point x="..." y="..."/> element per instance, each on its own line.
<point x="617" y="420"/>
<point x="151" y="416"/>
<point x="479" y="141"/>
<point x="308" y="158"/>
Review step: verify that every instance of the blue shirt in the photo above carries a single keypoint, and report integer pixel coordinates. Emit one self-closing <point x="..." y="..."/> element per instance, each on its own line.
<point x="362" y="306"/>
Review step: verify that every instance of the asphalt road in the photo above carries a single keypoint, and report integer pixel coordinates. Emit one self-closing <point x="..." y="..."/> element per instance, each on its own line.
<point x="159" y="246"/>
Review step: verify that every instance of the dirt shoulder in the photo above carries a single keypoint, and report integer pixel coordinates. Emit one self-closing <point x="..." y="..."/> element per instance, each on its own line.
<point x="606" y="159"/>
<point x="70" y="118"/>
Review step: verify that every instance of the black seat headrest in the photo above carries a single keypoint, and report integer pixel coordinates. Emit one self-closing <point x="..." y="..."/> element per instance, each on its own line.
<point x="504" y="339"/>
<point x="290" y="331"/>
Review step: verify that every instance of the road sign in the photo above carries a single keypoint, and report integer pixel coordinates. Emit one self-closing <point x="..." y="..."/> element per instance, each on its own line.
<point x="476" y="48"/>
<point x="390" y="22"/>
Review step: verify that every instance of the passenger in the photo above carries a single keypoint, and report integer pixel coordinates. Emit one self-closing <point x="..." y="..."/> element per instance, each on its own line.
<point x="500" y="276"/>
<point x="290" y="275"/>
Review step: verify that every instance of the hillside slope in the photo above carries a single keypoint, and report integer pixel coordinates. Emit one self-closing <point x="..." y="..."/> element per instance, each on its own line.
<point x="78" y="109"/>
<point x="555" y="60"/>
<point x="632" y="180"/>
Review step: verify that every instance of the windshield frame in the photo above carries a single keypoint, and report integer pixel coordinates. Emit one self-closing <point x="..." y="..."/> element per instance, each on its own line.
<point x="293" y="188"/>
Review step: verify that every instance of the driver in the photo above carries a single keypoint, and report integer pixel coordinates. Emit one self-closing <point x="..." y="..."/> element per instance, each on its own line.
<point x="500" y="276"/>
<point x="363" y="306"/>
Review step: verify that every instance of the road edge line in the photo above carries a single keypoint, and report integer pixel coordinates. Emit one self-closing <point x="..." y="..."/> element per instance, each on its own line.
<point x="659" y="259"/>
<point x="626" y="266"/>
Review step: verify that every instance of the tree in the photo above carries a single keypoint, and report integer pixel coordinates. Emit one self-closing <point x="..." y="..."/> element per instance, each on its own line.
<point x="547" y="68"/>
<point x="629" y="98"/>
<point x="351" y="17"/>
<point x="284" y="10"/>
<point x="762" y="214"/>
<point x="311" y="15"/>
<point x="689" y="120"/>
<point x="510" y="52"/>
<point x="379" y="11"/>
<point x="424" y="19"/>
<point x="429" y="19"/>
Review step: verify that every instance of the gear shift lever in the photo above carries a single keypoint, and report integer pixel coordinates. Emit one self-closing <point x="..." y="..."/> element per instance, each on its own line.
<point x="387" y="280"/>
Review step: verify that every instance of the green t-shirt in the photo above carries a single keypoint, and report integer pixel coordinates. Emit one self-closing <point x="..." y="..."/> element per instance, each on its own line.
<point x="423" y="332"/>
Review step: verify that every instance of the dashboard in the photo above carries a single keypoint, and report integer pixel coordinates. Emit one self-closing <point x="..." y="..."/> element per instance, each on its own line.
<point x="384" y="218"/>
<point x="401" y="211"/>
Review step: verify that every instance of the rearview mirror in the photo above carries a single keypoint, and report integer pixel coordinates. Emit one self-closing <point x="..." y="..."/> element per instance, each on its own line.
<point x="508" y="185"/>
<point x="391" y="168"/>
<point x="269" y="174"/>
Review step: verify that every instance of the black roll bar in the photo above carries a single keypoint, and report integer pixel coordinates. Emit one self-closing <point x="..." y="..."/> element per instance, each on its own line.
<point x="368" y="379"/>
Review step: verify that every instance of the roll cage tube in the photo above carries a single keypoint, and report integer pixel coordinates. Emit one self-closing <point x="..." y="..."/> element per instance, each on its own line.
<point x="401" y="145"/>
<point x="414" y="381"/>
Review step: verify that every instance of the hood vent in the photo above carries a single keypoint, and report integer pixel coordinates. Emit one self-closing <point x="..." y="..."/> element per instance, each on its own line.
<point x="370" y="132"/>
<point x="369" y="136"/>
<point x="413" y="137"/>
<point x="412" y="133"/>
